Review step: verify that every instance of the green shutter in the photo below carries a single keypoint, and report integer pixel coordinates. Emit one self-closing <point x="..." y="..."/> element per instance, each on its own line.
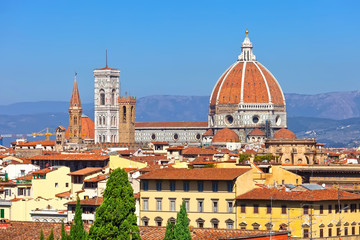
<point x="2" y="213"/>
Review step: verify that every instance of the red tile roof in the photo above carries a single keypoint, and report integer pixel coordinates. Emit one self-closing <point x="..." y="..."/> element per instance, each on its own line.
<point x="160" y="143"/>
<point x="98" y="178"/>
<point x="225" y="135"/>
<point x="125" y="152"/>
<point x="42" y="171"/>
<point x="176" y="147"/>
<point x="198" y="151"/>
<point x="195" y="174"/>
<point x="69" y="157"/>
<point x="209" y="132"/>
<point x="43" y="143"/>
<point x="96" y="201"/>
<point x="284" y="134"/>
<point x="86" y="171"/>
<point x="63" y="194"/>
<point x="106" y="68"/>
<point x="307" y="195"/>
<point x="256" y="132"/>
<point x="170" y="124"/>
<point x="28" y="177"/>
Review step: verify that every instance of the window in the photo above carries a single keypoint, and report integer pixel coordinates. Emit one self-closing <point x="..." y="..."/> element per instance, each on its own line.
<point x="338" y="231"/>
<point x="200" y="222"/>
<point x="306" y="233"/>
<point x="56" y="184"/>
<point x="124" y="113"/>
<point x="215" y="186"/>
<point x="353" y="208"/>
<point x="321" y="208"/>
<point x="186" y="186"/>
<point x="158" y="221"/>
<point x="158" y="185"/>
<point x="145" y="204"/>
<point x="145" y="185"/>
<point x="256" y="226"/>
<point x="66" y="184"/>
<point x="330" y="208"/>
<point x="352" y="230"/>
<point x="243" y="208"/>
<point x="329" y="232"/>
<point x="158" y="204"/>
<point x="229" y="186"/>
<point x="22" y="172"/>
<point x="256" y="208"/>
<point x="200" y="186"/>
<point x="21" y="191"/>
<point x="145" y="221"/>
<point x="337" y="208"/>
<point x="268" y="209"/>
<point x="113" y="97"/>
<point x="215" y="223"/>
<point x="229" y="224"/>
<point x="283" y="209"/>
<point x="215" y="206"/>
<point x="200" y="205"/>
<point x="306" y="209"/>
<point x="346" y="231"/>
<point x="172" y="205"/>
<point x="321" y="232"/>
<point x="102" y="97"/>
<point x="346" y="207"/>
<point x="186" y="201"/>
<point x="2" y="213"/>
<point x="172" y="186"/>
<point x="230" y="206"/>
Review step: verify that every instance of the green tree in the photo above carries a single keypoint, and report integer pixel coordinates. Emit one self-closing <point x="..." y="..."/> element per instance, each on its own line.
<point x="115" y="218"/>
<point x="51" y="236"/>
<point x="169" y="234"/>
<point x="244" y="157"/>
<point x="64" y="235"/>
<point x="181" y="229"/>
<point x="77" y="231"/>
<point x="42" y="237"/>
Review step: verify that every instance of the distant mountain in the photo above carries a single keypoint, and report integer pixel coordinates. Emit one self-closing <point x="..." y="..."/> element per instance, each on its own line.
<point x="333" y="118"/>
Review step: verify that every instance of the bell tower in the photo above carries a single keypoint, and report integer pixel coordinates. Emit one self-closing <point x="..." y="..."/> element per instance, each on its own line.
<point x="127" y="119"/>
<point x="75" y="112"/>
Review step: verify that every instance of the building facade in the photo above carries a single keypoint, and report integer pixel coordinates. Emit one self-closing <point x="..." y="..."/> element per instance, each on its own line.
<point x="75" y="112"/>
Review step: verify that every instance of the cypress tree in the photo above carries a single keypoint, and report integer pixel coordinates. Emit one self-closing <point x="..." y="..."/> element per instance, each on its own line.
<point x="42" y="237"/>
<point x="77" y="231"/>
<point x="64" y="236"/>
<point x="115" y="217"/>
<point x="181" y="230"/>
<point x="169" y="234"/>
<point x="51" y="236"/>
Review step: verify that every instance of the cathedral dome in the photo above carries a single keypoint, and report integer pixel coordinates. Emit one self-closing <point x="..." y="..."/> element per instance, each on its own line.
<point x="225" y="135"/>
<point x="284" y="134"/>
<point x="247" y="81"/>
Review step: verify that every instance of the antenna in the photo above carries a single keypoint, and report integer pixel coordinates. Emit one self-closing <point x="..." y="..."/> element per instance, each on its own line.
<point x="106" y="57"/>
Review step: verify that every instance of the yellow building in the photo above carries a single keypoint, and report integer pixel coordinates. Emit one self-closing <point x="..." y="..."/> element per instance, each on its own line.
<point x="308" y="211"/>
<point x="209" y="195"/>
<point x="120" y="162"/>
<point x="48" y="182"/>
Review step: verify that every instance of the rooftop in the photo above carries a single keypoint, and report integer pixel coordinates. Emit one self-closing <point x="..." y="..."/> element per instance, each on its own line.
<point x="86" y="171"/>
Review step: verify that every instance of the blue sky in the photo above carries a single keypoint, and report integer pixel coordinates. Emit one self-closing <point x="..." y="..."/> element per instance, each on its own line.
<point x="173" y="47"/>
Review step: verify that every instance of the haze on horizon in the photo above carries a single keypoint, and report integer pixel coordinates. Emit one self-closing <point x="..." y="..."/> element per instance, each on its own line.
<point x="173" y="48"/>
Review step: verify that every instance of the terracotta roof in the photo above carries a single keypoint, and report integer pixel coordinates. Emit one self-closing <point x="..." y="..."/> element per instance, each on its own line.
<point x="3" y="156"/>
<point x="147" y="159"/>
<point x="225" y="135"/>
<point x="198" y="151"/>
<point x="43" y="143"/>
<point x="176" y="147"/>
<point x="256" y="132"/>
<point x="251" y="82"/>
<point x="63" y="194"/>
<point x="170" y="124"/>
<point x="28" y="177"/>
<point x="284" y="134"/>
<point x="98" y="178"/>
<point x="42" y="171"/>
<point x="209" y="132"/>
<point x="78" y="157"/>
<point x="160" y="143"/>
<point x="86" y="171"/>
<point x="195" y="174"/>
<point x="158" y="233"/>
<point x="87" y="128"/>
<point x="126" y="152"/>
<point x="308" y="195"/>
<point x="96" y="201"/>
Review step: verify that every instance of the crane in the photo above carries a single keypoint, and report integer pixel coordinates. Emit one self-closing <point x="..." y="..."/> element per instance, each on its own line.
<point x="47" y="134"/>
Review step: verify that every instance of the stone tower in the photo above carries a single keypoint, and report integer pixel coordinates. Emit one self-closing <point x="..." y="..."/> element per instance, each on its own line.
<point x="127" y="119"/>
<point x="106" y="105"/>
<point x="75" y="112"/>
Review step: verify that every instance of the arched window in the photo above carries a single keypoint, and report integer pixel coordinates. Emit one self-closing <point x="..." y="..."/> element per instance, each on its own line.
<point x="103" y="139"/>
<point x="103" y="120"/>
<point x="132" y="114"/>
<point x="75" y="120"/>
<point x="99" y="121"/>
<point x="102" y="97"/>
<point x="113" y="97"/>
<point x="124" y="113"/>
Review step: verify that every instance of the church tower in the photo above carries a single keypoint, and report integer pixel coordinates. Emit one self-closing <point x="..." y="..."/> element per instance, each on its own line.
<point x="106" y="105"/>
<point x="127" y="119"/>
<point x="75" y="112"/>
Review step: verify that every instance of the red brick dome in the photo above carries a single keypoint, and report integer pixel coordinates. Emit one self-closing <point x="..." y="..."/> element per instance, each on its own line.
<point x="284" y="133"/>
<point x="247" y="81"/>
<point x="87" y="128"/>
<point x="225" y="135"/>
